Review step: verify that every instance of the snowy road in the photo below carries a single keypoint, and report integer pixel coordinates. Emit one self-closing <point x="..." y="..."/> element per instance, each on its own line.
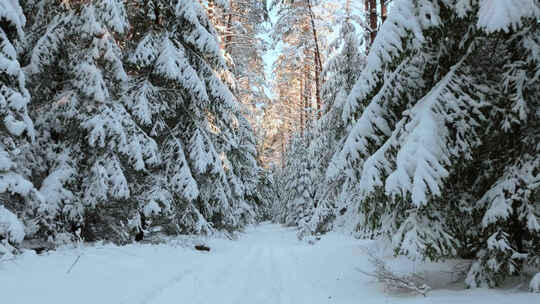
<point x="267" y="265"/>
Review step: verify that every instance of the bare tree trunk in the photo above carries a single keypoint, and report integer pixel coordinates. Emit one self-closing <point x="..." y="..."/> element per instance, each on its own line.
<point x="318" y="62"/>
<point x="157" y="12"/>
<point x="366" y="7"/>
<point x="301" y="103"/>
<point x="317" y="88"/>
<point x="228" y="28"/>
<point x="211" y="11"/>
<point x="367" y="33"/>
<point x="282" y="149"/>
<point x="373" y="19"/>
<point x="309" y="89"/>
<point x="383" y="10"/>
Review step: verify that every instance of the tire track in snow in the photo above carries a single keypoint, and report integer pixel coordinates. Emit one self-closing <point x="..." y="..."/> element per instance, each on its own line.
<point x="227" y="283"/>
<point x="281" y="276"/>
<point x="158" y="289"/>
<point x="211" y="277"/>
<point x="261" y="269"/>
<point x="245" y="278"/>
<point x="271" y="271"/>
<point x="255" y="286"/>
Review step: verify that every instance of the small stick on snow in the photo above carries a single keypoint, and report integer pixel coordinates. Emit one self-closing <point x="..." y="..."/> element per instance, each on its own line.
<point x="73" y="265"/>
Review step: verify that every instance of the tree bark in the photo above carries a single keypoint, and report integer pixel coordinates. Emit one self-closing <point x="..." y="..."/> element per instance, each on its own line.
<point x="307" y="96"/>
<point x="282" y="149"/>
<point x="318" y="69"/>
<point x="228" y="28"/>
<point x="318" y="63"/>
<point x="301" y="103"/>
<point x="367" y="33"/>
<point x="373" y="20"/>
<point x="383" y="10"/>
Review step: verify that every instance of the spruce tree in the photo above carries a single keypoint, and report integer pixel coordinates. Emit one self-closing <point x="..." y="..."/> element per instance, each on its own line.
<point x="177" y="95"/>
<point x="89" y="146"/>
<point x="445" y="140"/>
<point x="296" y="192"/>
<point x="339" y="74"/>
<point x="18" y="197"/>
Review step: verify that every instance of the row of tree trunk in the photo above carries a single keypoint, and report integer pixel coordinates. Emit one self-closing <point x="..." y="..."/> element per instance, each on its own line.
<point x="308" y="104"/>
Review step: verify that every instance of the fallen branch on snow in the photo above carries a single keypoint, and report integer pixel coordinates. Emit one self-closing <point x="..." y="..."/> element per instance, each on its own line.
<point x="411" y="282"/>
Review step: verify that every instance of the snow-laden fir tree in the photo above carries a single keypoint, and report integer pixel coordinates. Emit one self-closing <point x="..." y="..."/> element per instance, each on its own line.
<point x="446" y="135"/>
<point x="340" y="72"/>
<point x="245" y="173"/>
<point x="177" y="96"/>
<point x="239" y="24"/>
<point x="268" y="190"/>
<point x="89" y="148"/>
<point x="296" y="200"/>
<point x="18" y="196"/>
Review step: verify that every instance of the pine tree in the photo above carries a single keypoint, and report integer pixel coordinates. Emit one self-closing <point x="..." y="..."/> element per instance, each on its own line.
<point x="240" y="24"/>
<point x="19" y="198"/>
<point x="443" y="149"/>
<point x="245" y="170"/>
<point x="296" y="191"/>
<point x="89" y="147"/>
<point x="339" y="74"/>
<point x="299" y="64"/>
<point x="269" y="194"/>
<point x="177" y="95"/>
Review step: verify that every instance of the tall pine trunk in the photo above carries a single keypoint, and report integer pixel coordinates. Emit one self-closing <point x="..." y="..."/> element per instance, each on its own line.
<point x="318" y="63"/>
<point x="373" y="19"/>
<point x="383" y="10"/>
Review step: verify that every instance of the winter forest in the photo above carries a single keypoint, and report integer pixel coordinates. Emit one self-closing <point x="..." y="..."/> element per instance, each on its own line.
<point x="270" y="151"/>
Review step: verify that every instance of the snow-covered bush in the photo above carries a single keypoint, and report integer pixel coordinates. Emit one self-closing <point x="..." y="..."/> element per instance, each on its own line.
<point x="11" y="232"/>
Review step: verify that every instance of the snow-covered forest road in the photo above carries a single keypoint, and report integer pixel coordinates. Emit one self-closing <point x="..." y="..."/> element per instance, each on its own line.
<point x="267" y="264"/>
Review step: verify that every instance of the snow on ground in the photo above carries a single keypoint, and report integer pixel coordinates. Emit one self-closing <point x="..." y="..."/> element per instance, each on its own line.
<point x="267" y="264"/>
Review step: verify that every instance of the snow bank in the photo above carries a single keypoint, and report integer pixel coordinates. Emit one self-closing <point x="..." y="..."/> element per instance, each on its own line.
<point x="11" y="228"/>
<point x="11" y="231"/>
<point x="534" y="286"/>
